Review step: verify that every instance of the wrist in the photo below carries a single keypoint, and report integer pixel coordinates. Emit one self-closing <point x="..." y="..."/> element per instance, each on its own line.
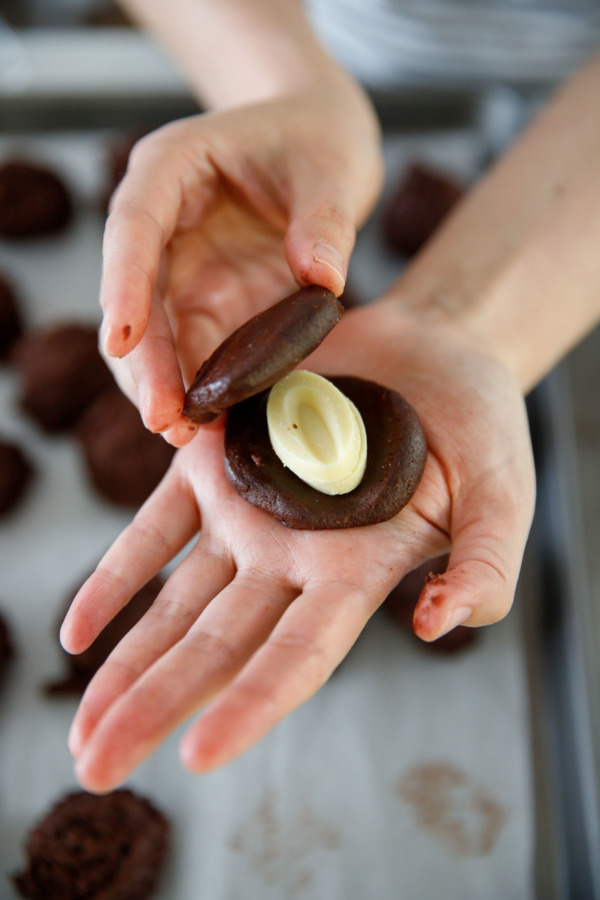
<point x="237" y="52"/>
<point x="522" y="293"/>
<point x="515" y="269"/>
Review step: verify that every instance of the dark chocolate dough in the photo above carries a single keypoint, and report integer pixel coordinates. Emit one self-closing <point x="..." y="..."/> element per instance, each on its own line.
<point x="396" y="452"/>
<point x="81" y="667"/>
<point x="265" y="349"/>
<point x="33" y="200"/>
<point x="15" y="475"/>
<point x="124" y="460"/>
<point x="89" y="847"/>
<point x="417" y="206"/>
<point x="11" y="325"/>
<point x="62" y="372"/>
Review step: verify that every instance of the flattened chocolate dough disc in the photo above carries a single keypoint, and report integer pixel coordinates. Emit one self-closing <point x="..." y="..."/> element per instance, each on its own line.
<point x="396" y="452"/>
<point x="263" y="350"/>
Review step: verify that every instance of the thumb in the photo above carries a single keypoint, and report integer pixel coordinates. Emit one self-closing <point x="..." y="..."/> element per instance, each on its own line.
<point x="487" y="550"/>
<point x="320" y="237"/>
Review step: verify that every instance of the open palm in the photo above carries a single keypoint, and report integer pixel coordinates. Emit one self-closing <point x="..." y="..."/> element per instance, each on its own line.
<point x="257" y="616"/>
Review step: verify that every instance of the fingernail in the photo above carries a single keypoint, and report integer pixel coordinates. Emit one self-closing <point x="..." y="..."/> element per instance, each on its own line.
<point x="456" y="617"/>
<point x="105" y="335"/>
<point x="330" y="257"/>
<point x="74" y="740"/>
<point x="63" y="636"/>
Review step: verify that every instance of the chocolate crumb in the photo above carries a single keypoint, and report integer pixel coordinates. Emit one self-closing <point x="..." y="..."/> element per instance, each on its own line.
<point x="453" y="808"/>
<point x="435" y="578"/>
<point x="281" y="844"/>
<point x="401" y="602"/>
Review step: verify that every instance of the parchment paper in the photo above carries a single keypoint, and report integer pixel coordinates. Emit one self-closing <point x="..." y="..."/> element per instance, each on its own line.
<point x="407" y="776"/>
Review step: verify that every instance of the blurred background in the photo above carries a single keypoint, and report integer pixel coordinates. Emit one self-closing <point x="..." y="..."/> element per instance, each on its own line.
<point x="471" y="768"/>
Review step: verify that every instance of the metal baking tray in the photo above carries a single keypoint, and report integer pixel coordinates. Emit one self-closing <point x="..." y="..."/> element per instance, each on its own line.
<point x="563" y="658"/>
<point x="408" y="774"/>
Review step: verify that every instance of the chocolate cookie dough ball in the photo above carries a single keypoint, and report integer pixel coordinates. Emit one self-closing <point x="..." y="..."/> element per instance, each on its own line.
<point x="88" y="847"/>
<point x="83" y="666"/>
<point x="124" y="460"/>
<point x="417" y="206"/>
<point x="62" y="372"/>
<point x="34" y="200"/>
<point x="400" y="605"/>
<point x="15" y="475"/>
<point x="11" y="324"/>
<point x="6" y="646"/>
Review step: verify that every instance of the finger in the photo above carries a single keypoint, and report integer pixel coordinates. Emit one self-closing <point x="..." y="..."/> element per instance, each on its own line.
<point x="155" y="372"/>
<point x="180" y="432"/>
<point x="200" y="331"/>
<point x="321" y="236"/>
<point x="160" y="529"/>
<point x="181" y="681"/>
<point x="148" y="204"/>
<point x="311" y="639"/>
<point x="135" y="234"/>
<point x="202" y="575"/>
<point x="488" y="540"/>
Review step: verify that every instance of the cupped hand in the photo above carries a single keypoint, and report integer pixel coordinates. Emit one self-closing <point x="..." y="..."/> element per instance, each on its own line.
<point x="256" y="616"/>
<point x="219" y="216"/>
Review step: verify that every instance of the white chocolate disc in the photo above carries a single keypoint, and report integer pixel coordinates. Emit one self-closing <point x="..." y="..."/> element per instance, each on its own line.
<point x="317" y="432"/>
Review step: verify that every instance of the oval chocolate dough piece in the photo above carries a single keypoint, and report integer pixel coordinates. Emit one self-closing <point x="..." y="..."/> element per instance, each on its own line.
<point x="263" y="350"/>
<point x="396" y="452"/>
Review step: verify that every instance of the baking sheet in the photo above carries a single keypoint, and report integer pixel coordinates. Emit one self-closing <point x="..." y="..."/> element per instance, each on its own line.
<point x="408" y="775"/>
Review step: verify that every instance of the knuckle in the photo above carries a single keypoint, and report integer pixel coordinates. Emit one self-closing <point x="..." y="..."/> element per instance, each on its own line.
<point x="253" y="692"/>
<point x="169" y="608"/>
<point x="497" y="608"/>
<point x="147" y="145"/>
<point x="212" y="646"/>
<point x="121" y="669"/>
<point x="309" y="654"/>
<point x="334" y="217"/>
<point x="144" y="533"/>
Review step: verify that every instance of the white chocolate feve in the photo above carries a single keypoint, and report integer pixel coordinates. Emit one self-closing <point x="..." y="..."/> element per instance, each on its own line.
<point x="317" y="432"/>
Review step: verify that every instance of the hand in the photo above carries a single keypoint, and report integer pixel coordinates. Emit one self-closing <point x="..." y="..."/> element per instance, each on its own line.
<point x="257" y="616"/>
<point x="219" y="216"/>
